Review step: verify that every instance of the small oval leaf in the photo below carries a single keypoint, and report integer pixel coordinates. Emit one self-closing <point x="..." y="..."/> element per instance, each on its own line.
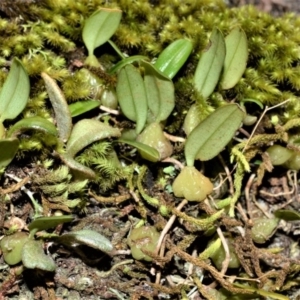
<point x="15" y="92"/>
<point x="81" y="107"/>
<point x="60" y="107"/>
<point x="209" y="138"/>
<point x="99" y="28"/>
<point x="172" y="58"/>
<point x="146" y="151"/>
<point x="86" y="132"/>
<point x="160" y="93"/>
<point x="33" y="257"/>
<point x="287" y="215"/>
<point x="35" y="123"/>
<point x="132" y="96"/>
<point x="236" y="58"/>
<point x="44" y="223"/>
<point x="210" y="65"/>
<point x="8" y="150"/>
<point x="87" y="237"/>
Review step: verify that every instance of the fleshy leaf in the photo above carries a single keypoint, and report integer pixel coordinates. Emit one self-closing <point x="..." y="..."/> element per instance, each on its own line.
<point x="287" y="215"/>
<point x="235" y="59"/>
<point x="44" y="223"/>
<point x="86" y="132"/>
<point x="172" y="58"/>
<point x="15" y="92"/>
<point x="87" y="237"/>
<point x="11" y="247"/>
<point x="160" y="93"/>
<point x="79" y="171"/>
<point x="81" y="107"/>
<point x="146" y="151"/>
<point x="99" y="28"/>
<point x="209" y="138"/>
<point x="192" y="119"/>
<point x="35" y="123"/>
<point x="60" y="107"/>
<point x="210" y="65"/>
<point x="132" y="96"/>
<point x="154" y="137"/>
<point x="192" y="185"/>
<point x="33" y="257"/>
<point x="8" y="150"/>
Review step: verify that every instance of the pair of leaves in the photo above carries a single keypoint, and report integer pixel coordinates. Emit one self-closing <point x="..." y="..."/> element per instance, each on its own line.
<point x="13" y="99"/>
<point x="33" y="256"/>
<point x="136" y="96"/>
<point x="84" y="133"/>
<point x="229" y="55"/>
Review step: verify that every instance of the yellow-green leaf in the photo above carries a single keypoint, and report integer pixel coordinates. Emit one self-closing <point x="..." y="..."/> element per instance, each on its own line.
<point x="132" y="96"/>
<point x="32" y="123"/>
<point x="81" y="107"/>
<point x="99" y="27"/>
<point x="147" y="152"/>
<point x="15" y="92"/>
<point x="44" y="223"/>
<point x="172" y="58"/>
<point x="8" y="150"/>
<point x="87" y="237"/>
<point x="88" y="131"/>
<point x="210" y="65"/>
<point x="128" y="60"/>
<point x="34" y="257"/>
<point x="235" y="59"/>
<point x="160" y="93"/>
<point x="209" y="138"/>
<point x="60" y="107"/>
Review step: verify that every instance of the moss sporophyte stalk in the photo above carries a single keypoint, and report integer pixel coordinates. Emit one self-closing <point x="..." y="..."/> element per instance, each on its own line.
<point x="99" y="98"/>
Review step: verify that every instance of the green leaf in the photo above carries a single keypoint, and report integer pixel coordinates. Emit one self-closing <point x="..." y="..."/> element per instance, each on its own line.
<point x="287" y="215"/>
<point x="99" y="27"/>
<point x="261" y="106"/>
<point x="88" y="131"/>
<point x="132" y="96"/>
<point x="60" y="106"/>
<point x="81" y="107"/>
<point x="44" y="223"/>
<point x="15" y="92"/>
<point x="11" y="247"/>
<point x="79" y="171"/>
<point x="128" y="60"/>
<point x="160" y="93"/>
<point x="35" y="123"/>
<point x="87" y="237"/>
<point x="154" y="137"/>
<point x="210" y="65"/>
<point x="8" y="150"/>
<point x="209" y="138"/>
<point x="172" y="58"/>
<point x="236" y="58"/>
<point x="33" y="257"/>
<point x="146" y="151"/>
